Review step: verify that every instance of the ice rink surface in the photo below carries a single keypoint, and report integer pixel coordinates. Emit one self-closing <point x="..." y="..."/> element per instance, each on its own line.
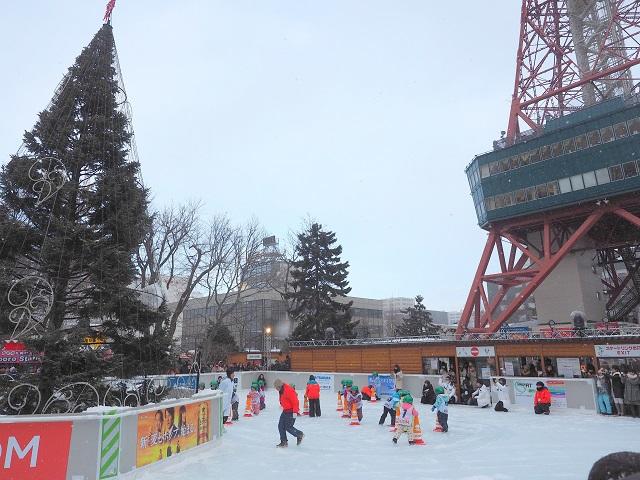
<point x="481" y="445"/>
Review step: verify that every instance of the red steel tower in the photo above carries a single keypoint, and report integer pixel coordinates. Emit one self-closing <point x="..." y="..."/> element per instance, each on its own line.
<point x="575" y="59"/>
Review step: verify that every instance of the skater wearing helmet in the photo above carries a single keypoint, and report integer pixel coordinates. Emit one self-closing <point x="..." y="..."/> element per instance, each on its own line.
<point x="390" y="408"/>
<point x="290" y="406"/>
<point x="542" y="399"/>
<point x="355" y="399"/>
<point x="406" y="419"/>
<point x="254" y="395"/>
<point x="442" y="406"/>
<point x="312" y="393"/>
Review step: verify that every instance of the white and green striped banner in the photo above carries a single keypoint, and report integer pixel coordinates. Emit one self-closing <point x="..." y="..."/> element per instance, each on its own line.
<point x="109" y="445"/>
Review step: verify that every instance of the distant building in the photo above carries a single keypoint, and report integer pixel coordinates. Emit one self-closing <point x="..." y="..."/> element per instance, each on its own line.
<point x="392" y="313"/>
<point x="439" y="317"/>
<point x="453" y="318"/>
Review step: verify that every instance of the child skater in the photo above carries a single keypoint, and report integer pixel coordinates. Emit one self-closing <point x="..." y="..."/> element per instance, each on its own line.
<point x="355" y="398"/>
<point x="312" y="393"/>
<point x="390" y="409"/>
<point x="406" y="419"/>
<point x="442" y="405"/>
<point x="254" y="394"/>
<point x="263" y="405"/>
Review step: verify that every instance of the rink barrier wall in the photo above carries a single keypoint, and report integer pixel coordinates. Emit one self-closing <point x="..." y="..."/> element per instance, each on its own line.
<point x="94" y="445"/>
<point x="579" y="393"/>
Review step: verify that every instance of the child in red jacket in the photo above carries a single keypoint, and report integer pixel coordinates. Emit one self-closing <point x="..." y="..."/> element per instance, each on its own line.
<point x="312" y="393"/>
<point x="542" y="399"/>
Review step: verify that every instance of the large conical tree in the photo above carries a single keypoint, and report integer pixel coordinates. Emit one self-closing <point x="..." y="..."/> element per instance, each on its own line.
<point x="72" y="215"/>
<point x="418" y="321"/>
<point x="318" y="280"/>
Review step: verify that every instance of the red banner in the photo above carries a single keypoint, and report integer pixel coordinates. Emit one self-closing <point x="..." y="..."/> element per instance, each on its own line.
<point x="34" y="451"/>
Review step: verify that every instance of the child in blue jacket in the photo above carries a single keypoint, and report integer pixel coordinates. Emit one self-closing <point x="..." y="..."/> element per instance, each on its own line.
<point x="390" y="408"/>
<point x="442" y="406"/>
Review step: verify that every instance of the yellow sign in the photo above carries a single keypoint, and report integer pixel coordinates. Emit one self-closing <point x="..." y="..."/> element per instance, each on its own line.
<point x="169" y="431"/>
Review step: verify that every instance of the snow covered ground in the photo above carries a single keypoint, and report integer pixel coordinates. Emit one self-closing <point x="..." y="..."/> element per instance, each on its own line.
<point x="480" y="445"/>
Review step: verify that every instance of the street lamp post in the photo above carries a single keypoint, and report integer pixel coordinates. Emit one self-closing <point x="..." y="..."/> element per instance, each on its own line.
<point x="266" y="346"/>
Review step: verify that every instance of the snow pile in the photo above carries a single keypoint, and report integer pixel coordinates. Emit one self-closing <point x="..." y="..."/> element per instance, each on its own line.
<point x="480" y="445"/>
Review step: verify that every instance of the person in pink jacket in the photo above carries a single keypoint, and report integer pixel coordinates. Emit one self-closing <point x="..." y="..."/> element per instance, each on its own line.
<point x="406" y="420"/>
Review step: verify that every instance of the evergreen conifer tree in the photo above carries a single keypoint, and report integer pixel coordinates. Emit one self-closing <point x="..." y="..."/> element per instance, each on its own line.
<point x="318" y="280"/>
<point x="72" y="215"/>
<point x="418" y="321"/>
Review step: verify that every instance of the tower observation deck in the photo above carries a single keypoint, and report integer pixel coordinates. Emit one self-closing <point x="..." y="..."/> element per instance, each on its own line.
<point x="561" y="200"/>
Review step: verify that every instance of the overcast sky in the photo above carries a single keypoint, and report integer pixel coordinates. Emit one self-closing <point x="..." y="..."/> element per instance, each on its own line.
<point x="359" y="114"/>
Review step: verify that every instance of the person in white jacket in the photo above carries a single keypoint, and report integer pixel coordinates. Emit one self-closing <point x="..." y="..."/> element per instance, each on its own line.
<point x="481" y="397"/>
<point x="447" y="383"/>
<point x="504" y="402"/>
<point x="226" y="386"/>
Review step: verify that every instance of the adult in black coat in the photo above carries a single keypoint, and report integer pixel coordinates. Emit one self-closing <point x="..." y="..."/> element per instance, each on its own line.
<point x="428" y="393"/>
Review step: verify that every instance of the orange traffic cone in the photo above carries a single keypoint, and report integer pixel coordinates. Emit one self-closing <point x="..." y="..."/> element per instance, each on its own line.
<point x="339" y="407"/>
<point x="354" y="415"/>
<point x="438" y="427"/>
<point x="247" y="408"/>
<point x="345" y="407"/>
<point x="373" y="395"/>
<point x="417" y="432"/>
<point x="393" y="429"/>
<point x="305" y="408"/>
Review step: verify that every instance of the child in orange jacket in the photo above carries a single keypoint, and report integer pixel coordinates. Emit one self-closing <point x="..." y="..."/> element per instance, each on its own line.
<point x="542" y="399"/>
<point x="312" y="393"/>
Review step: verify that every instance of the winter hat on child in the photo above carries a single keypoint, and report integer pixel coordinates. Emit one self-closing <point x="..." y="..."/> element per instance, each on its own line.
<point x="407" y="399"/>
<point x="439" y="390"/>
<point x="312" y="377"/>
<point x="277" y="384"/>
<point x="354" y="389"/>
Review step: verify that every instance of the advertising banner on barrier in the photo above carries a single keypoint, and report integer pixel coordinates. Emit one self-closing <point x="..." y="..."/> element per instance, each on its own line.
<point x="182" y="381"/>
<point x="325" y="381"/>
<point x="169" y="431"/>
<point x="558" y="390"/>
<point x="385" y="385"/>
<point x="34" y="451"/>
<point x="524" y="391"/>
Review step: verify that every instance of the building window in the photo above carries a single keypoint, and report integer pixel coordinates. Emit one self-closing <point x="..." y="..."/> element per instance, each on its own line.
<point x="615" y="173"/>
<point x="524" y="159"/>
<point x="484" y="171"/>
<point x="519" y="366"/>
<point x="520" y="196"/>
<point x="589" y="179"/>
<point x="534" y="156"/>
<point x="556" y="149"/>
<point x="437" y="365"/>
<point x="630" y="169"/>
<point x="531" y="193"/>
<point x="602" y="175"/>
<point x="541" y="191"/>
<point x="565" y="185"/>
<point x="606" y="134"/>
<point x="634" y="126"/>
<point x="594" y="138"/>
<point x="545" y="152"/>
<point x="576" y="183"/>
<point x="581" y="142"/>
<point x="553" y="188"/>
<point x="620" y="130"/>
<point x="568" y="146"/>
<point x="489" y="204"/>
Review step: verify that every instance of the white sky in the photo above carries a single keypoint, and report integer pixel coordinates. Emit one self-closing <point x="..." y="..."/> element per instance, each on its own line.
<point x="361" y="114"/>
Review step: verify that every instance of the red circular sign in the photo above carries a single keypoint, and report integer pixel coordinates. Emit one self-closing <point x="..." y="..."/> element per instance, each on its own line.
<point x="475" y="352"/>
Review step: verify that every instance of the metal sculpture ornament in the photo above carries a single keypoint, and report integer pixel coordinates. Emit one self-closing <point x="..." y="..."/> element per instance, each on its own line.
<point x="31" y="298"/>
<point x="49" y="176"/>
